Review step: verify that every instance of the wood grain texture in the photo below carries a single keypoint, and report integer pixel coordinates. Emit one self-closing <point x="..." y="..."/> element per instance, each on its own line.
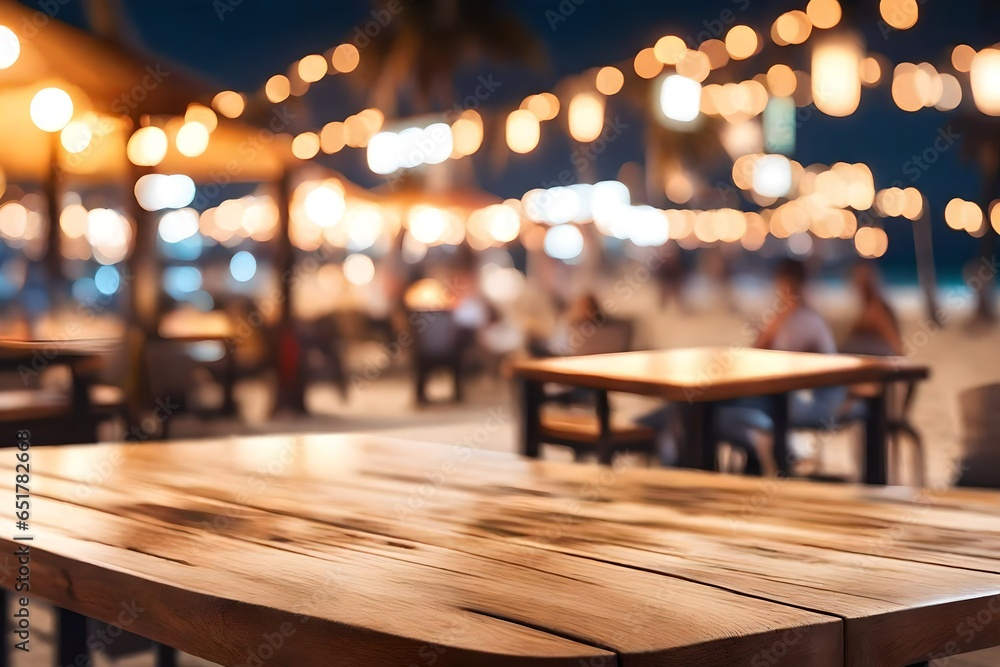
<point x="369" y="560"/>
<point x="387" y="548"/>
<point x="715" y="373"/>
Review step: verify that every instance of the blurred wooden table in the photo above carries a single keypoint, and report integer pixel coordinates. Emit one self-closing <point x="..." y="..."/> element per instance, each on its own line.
<point x="361" y="550"/>
<point x="83" y="357"/>
<point x="54" y="416"/>
<point x="187" y="327"/>
<point x="703" y="377"/>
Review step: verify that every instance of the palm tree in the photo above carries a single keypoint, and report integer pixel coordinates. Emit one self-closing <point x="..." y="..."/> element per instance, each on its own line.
<point x="429" y="40"/>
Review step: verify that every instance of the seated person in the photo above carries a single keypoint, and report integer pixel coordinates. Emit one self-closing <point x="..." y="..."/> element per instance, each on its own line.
<point x="795" y="327"/>
<point x="876" y="330"/>
<point x="585" y="309"/>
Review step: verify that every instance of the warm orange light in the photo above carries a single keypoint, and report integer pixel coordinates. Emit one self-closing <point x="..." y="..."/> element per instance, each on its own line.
<point x="199" y="113"/>
<point x="741" y="42"/>
<point x="669" y="50"/>
<point x="824" y="14"/>
<point x="871" y="242"/>
<point x="963" y="215"/>
<point x="345" y="58"/>
<point x="781" y="80"/>
<point x="331" y="138"/>
<point x="609" y="80"/>
<point x="545" y="106"/>
<point x="695" y="66"/>
<point x="793" y="27"/>
<point x="951" y="93"/>
<point x="646" y="64"/>
<point x="229" y="103"/>
<point x="305" y="146"/>
<point x="277" y="89"/>
<point x="715" y="49"/>
<point x="10" y="47"/>
<point x="900" y="14"/>
<point x="51" y="109"/>
<point x="467" y="133"/>
<point x="192" y="139"/>
<point x="871" y="71"/>
<point x="913" y="204"/>
<point x="312" y="68"/>
<point x="985" y="75"/>
<point x="147" y="147"/>
<point x="523" y="131"/>
<point x="586" y="117"/>
<point x="836" y="75"/>
<point x="905" y="91"/>
<point x="961" y="57"/>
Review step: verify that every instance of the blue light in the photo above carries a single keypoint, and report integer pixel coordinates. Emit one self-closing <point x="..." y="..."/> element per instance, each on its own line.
<point x="243" y="266"/>
<point x="107" y="280"/>
<point x="180" y="281"/>
<point x="84" y="290"/>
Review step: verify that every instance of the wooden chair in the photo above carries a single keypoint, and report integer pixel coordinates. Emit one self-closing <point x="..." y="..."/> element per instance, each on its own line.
<point x="980" y="412"/>
<point x="900" y="396"/>
<point x="583" y="419"/>
<point x="439" y="342"/>
<point x="599" y="434"/>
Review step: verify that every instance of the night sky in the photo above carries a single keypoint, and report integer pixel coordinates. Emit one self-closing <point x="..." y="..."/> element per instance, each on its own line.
<point x="259" y="38"/>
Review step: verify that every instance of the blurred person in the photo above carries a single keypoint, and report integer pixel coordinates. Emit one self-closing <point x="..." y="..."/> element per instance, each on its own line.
<point x="795" y="327"/>
<point x="584" y="309"/>
<point x="876" y="331"/>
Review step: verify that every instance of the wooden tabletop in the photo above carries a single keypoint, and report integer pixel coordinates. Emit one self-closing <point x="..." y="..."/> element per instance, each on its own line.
<point x="191" y="326"/>
<point x="66" y="349"/>
<point x="715" y="373"/>
<point x="359" y="550"/>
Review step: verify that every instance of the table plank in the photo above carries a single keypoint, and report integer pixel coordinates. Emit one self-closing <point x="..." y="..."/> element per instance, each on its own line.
<point x="249" y="527"/>
<point x="714" y="373"/>
<point x="824" y="547"/>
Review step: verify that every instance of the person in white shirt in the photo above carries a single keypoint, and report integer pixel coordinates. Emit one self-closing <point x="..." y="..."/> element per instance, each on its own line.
<point x="793" y="327"/>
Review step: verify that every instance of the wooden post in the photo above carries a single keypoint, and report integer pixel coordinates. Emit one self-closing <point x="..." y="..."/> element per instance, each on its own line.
<point x="923" y="245"/>
<point x="986" y="293"/>
<point x="53" y="198"/>
<point x="291" y="385"/>
<point x="143" y="280"/>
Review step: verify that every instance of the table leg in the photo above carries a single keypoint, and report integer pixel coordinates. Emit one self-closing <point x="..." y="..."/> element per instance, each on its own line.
<point x="3" y="628"/>
<point x="876" y="440"/>
<point x="701" y="450"/>
<point x="72" y="641"/>
<point x="165" y="655"/>
<point x="81" y="391"/>
<point x="531" y="418"/>
<point x="779" y="434"/>
<point x="605" y="451"/>
<point x="229" y="379"/>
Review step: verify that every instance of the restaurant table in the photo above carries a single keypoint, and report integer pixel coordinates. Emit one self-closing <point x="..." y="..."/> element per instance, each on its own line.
<point x="183" y="327"/>
<point x="703" y="377"/>
<point x="357" y="550"/>
<point x="83" y="357"/>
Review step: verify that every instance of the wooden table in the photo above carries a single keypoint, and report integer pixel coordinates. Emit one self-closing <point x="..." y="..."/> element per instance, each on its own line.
<point x="183" y="327"/>
<point x="702" y="377"/>
<point x="364" y="551"/>
<point x="83" y="357"/>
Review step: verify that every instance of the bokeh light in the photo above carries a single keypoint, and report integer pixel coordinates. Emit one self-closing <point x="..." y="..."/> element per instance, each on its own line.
<point x="51" y="109"/>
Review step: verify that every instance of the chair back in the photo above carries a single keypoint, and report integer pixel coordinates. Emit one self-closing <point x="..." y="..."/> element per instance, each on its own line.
<point x="171" y="372"/>
<point x="613" y="335"/>
<point x="980" y="411"/>
<point x="436" y="334"/>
